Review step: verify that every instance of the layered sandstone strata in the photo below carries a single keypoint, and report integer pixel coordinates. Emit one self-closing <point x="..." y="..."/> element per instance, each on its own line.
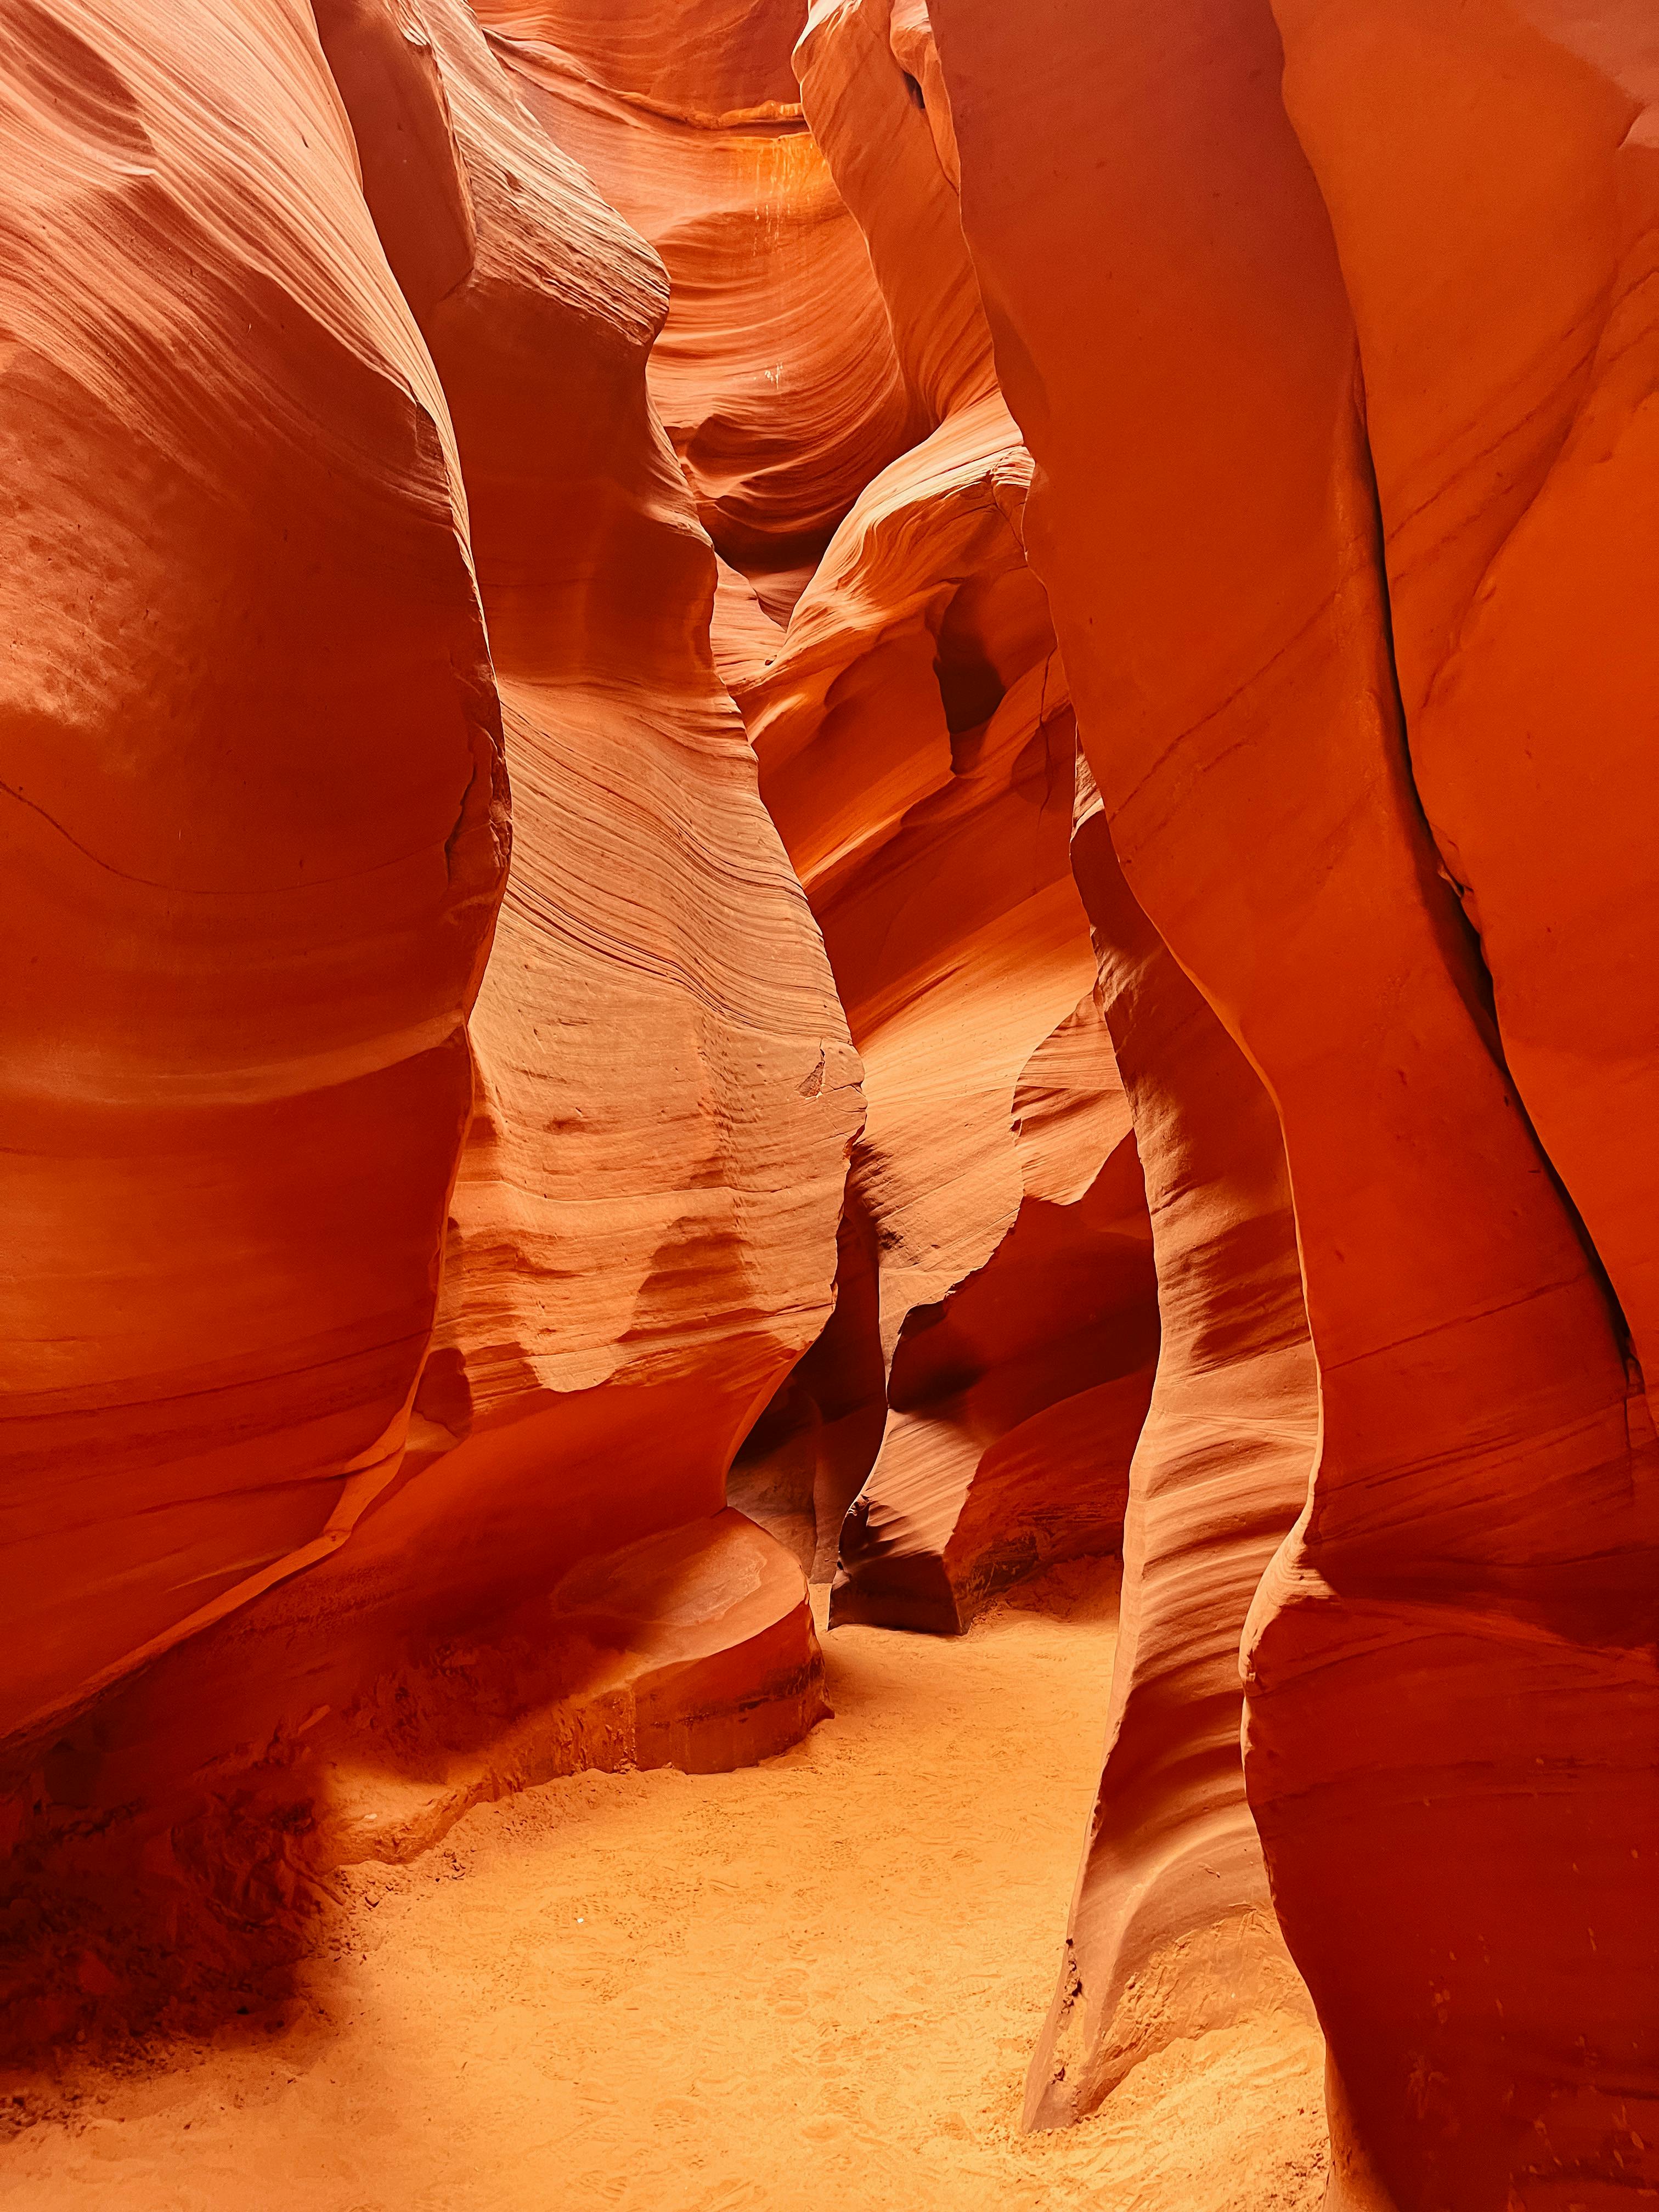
<point x="1449" y="1682"/>
<point x="372" y="1391"/>
<point x="774" y="373"/>
<point x="1172" y="1930"/>
<point x="916" y="748"/>
<point x="256" y="823"/>
<point x="641" y="1236"/>
<point x="448" y="1432"/>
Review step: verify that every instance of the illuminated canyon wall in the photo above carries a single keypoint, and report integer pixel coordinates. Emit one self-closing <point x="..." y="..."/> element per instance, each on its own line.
<point x="854" y="794"/>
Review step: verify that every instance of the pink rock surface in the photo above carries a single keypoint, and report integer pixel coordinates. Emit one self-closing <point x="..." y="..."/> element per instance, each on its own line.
<point x="1258" y="1167"/>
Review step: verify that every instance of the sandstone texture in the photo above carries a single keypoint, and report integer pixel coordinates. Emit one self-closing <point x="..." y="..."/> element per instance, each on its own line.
<point x="250" y="887"/>
<point x="917" y="746"/>
<point x="1172" y="1932"/>
<point x="774" y="375"/>
<point x="1019" y="1285"/>
<point x="642" y="1234"/>
<point x="294" y="1458"/>
<point x="1450" y="1666"/>
<point x="836" y="815"/>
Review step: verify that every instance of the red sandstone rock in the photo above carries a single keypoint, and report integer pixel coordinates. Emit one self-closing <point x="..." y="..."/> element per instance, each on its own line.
<point x="1172" y="1929"/>
<point x="864" y="68"/>
<point x="774" y="375"/>
<point x="256" y="825"/>
<point x="642" y="1235"/>
<point x="323" y="1526"/>
<point x="692" y="1649"/>
<point x="915" y="747"/>
<point x="1507" y="391"/>
<point x="1449" y="1696"/>
<point x="805" y="1459"/>
<point x="665" y="1094"/>
<point x="1014" y="1407"/>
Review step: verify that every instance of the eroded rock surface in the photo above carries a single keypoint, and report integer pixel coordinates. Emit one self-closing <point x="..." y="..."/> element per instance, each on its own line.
<point x="665" y="1095"/>
<point x="778" y="434"/>
<point x="1449" y="1670"/>
<point x="774" y="375"/>
<point x="641" y="1238"/>
<point x="1172" y="1933"/>
<point x="255" y="808"/>
<point x="916" y="747"/>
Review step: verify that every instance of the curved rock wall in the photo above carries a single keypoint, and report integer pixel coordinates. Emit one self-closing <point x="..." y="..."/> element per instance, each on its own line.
<point x="1265" y="1095"/>
<point x="1017" y="1399"/>
<point x="1447" y="1678"/>
<point x="916" y="747"/>
<point x="666" y="1093"/>
<point x="936" y="860"/>
<point x="1172" y="1930"/>
<point x="641" y="1237"/>
<point x="256" y="819"/>
<point x="1510" y="421"/>
<point x="774" y="374"/>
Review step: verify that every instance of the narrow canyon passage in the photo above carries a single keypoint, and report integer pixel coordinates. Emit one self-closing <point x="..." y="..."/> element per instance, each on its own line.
<point x="828" y="1105"/>
<point x="812" y="1983"/>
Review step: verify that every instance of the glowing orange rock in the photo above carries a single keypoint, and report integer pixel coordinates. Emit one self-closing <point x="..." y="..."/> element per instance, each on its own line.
<point x="866" y="71"/>
<point x="1507" y="408"/>
<point x="1172" y="1929"/>
<point x="1446" y="1705"/>
<point x="645" y="1215"/>
<point x="642" y="1235"/>
<point x="774" y="374"/>
<point x="255" y="823"/>
<point x="916" y="749"/>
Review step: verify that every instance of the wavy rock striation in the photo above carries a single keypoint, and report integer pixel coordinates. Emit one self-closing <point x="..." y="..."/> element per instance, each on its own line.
<point x="640" y="1240"/>
<point x="916" y="749"/>
<point x="641" y="1230"/>
<point x="404" y="1249"/>
<point x="1172" y="1932"/>
<point x="1450" y="1672"/>
<point x="250" y="889"/>
<point x="774" y="374"/>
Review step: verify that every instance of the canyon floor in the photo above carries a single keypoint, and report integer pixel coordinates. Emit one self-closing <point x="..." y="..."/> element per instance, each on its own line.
<point x="813" y="1983"/>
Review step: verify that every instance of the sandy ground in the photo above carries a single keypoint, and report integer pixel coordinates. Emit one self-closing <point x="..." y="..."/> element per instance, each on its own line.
<point x="813" y="1985"/>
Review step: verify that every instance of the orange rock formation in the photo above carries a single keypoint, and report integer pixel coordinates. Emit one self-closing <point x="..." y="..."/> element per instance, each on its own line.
<point x="1017" y="1399"/>
<point x="256" y="815"/>
<point x="774" y="374"/>
<point x="641" y="1238"/>
<point x="916" y="748"/>
<point x="778" y="436"/>
<point x="1449" y="1672"/>
<point x="641" y="1231"/>
<point x="1172" y="1929"/>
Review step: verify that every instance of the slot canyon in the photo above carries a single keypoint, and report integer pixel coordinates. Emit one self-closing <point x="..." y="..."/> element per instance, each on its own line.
<point x="828" y="1246"/>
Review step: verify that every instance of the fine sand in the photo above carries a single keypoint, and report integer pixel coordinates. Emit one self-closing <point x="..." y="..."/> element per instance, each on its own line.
<point x="810" y="1987"/>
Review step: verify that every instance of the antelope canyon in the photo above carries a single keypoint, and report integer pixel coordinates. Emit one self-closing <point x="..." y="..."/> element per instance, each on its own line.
<point x="828" y="1272"/>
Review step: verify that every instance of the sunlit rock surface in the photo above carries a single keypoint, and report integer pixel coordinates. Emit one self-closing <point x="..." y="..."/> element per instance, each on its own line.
<point x="1450" y="1666"/>
<point x="473" y="1253"/>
